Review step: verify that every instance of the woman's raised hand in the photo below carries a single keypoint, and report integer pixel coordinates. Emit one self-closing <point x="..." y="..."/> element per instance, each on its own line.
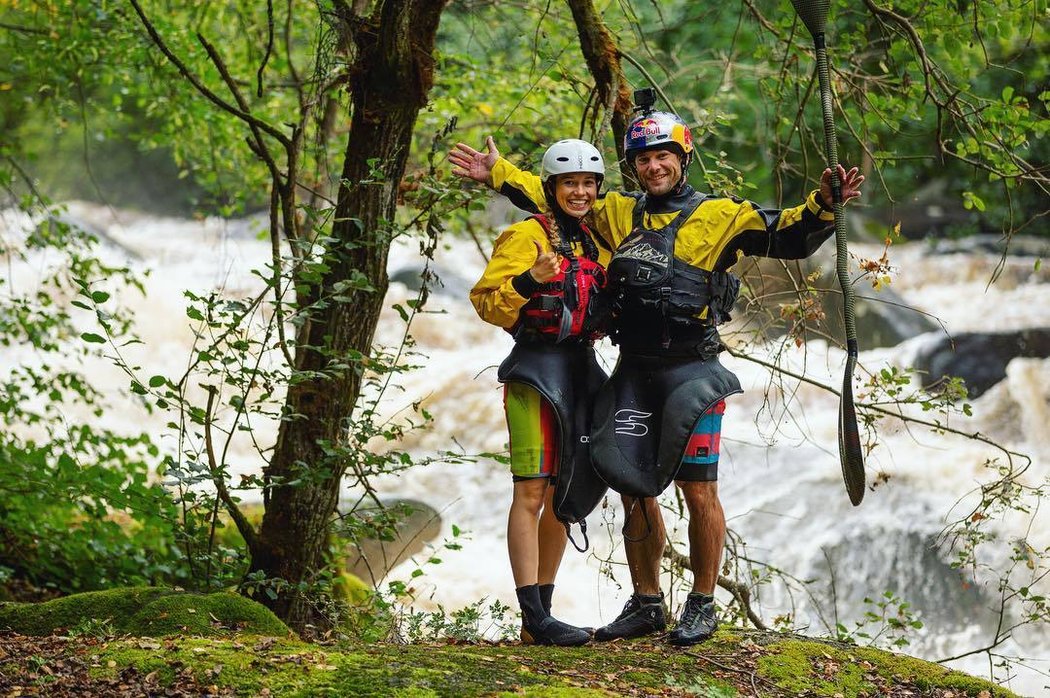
<point x="474" y="164"/>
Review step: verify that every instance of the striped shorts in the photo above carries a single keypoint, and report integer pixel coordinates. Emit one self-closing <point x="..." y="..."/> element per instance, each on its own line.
<point x="533" y="426"/>
<point x="700" y="460"/>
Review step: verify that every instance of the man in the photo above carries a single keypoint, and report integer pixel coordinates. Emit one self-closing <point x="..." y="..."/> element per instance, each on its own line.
<point x="658" y="417"/>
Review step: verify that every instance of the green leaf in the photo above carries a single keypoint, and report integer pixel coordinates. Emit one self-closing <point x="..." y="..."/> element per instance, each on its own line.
<point x="93" y="338"/>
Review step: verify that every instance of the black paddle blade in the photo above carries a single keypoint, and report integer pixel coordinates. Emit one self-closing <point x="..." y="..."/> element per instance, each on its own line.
<point x="813" y="13"/>
<point x="850" y="454"/>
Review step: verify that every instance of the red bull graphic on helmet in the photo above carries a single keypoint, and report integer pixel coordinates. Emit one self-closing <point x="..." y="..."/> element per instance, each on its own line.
<point x="681" y="134"/>
<point x="645" y="128"/>
<point x="658" y="130"/>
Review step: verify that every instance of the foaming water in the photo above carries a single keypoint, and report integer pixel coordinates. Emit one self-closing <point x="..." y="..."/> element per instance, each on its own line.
<point x="780" y="479"/>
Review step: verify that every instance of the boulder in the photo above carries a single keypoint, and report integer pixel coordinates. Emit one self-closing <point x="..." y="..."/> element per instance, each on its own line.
<point x="380" y="538"/>
<point x="979" y="358"/>
<point x="143" y="611"/>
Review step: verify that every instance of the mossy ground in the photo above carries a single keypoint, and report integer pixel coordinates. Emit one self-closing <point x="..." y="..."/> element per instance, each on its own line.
<point x="733" y="664"/>
<point x="810" y="667"/>
<point x="161" y="641"/>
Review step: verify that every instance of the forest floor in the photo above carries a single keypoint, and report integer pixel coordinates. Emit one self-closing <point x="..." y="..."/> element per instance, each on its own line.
<point x="733" y="663"/>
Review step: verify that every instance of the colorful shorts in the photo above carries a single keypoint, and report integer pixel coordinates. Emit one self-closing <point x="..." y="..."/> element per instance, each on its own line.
<point x="533" y="426"/>
<point x="700" y="461"/>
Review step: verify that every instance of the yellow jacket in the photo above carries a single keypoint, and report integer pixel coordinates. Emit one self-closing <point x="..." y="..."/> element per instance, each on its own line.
<point x="514" y="252"/>
<point x="719" y="232"/>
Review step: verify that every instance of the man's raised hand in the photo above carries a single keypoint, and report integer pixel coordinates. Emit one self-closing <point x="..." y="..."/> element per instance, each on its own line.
<point x="474" y="164"/>
<point x="851" y="182"/>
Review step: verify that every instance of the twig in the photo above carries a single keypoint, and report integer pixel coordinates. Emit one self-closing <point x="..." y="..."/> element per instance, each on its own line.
<point x="245" y="528"/>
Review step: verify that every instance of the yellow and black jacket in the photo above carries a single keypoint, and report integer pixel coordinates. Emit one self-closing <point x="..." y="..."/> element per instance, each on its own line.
<point x="495" y="296"/>
<point x="715" y="236"/>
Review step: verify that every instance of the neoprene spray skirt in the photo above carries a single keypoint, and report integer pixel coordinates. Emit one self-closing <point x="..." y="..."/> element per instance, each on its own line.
<point x="568" y="376"/>
<point x="645" y="412"/>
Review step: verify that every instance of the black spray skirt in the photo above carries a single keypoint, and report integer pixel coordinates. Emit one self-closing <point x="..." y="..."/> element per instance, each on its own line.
<point x="568" y="376"/>
<point x="645" y="413"/>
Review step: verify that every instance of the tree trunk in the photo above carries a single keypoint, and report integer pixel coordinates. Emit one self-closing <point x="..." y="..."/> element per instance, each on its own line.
<point x="390" y="79"/>
<point x="603" y="60"/>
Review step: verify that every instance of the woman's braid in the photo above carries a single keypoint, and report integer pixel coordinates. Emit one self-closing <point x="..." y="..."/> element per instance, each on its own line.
<point x="554" y="232"/>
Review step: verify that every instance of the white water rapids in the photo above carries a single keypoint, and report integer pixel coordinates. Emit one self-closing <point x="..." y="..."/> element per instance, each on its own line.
<point x="780" y="479"/>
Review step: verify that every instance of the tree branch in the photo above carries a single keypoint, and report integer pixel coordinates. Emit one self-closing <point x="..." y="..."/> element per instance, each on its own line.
<point x="200" y="87"/>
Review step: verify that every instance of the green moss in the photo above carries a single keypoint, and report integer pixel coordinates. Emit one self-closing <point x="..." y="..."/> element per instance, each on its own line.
<point x="113" y="605"/>
<point x="290" y="668"/>
<point x="812" y="667"/>
<point x="927" y="675"/>
<point x="211" y="614"/>
<point x="351" y="589"/>
<point x="245" y="665"/>
<point x="148" y="611"/>
<point x="557" y="692"/>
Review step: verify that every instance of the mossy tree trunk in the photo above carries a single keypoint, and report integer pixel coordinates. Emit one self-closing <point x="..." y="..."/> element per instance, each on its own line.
<point x="612" y="100"/>
<point x="391" y="76"/>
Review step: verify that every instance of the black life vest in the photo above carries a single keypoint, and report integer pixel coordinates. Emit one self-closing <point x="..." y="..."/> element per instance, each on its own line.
<point x="657" y="298"/>
<point x="570" y="304"/>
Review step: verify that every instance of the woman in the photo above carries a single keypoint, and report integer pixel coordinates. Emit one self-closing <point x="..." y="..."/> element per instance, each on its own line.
<point x="542" y="286"/>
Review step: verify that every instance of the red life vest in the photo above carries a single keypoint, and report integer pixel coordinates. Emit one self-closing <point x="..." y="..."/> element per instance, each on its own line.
<point x="569" y="304"/>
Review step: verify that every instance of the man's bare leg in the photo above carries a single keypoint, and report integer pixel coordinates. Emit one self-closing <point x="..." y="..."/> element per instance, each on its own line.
<point x="707" y="533"/>
<point x="707" y="530"/>
<point x="644" y="544"/>
<point x="644" y="547"/>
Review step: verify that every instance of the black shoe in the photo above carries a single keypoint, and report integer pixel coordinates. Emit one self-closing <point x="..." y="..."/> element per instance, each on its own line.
<point x="551" y="631"/>
<point x="698" y="621"/>
<point x="643" y="614"/>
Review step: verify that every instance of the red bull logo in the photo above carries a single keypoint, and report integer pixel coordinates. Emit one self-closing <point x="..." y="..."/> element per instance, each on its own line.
<point x="644" y="128"/>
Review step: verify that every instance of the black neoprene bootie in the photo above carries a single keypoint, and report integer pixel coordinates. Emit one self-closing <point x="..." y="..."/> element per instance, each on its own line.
<point x="698" y="621"/>
<point x="546" y="595"/>
<point x="643" y="614"/>
<point x="541" y="628"/>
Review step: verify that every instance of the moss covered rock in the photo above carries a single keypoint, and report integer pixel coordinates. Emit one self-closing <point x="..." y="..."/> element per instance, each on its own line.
<point x="145" y="611"/>
<point x="352" y="590"/>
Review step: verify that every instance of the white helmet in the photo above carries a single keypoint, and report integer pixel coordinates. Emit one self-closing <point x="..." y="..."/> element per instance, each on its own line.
<point x="572" y="155"/>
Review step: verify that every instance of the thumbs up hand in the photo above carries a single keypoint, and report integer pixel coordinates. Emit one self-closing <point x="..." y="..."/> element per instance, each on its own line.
<point x="547" y="265"/>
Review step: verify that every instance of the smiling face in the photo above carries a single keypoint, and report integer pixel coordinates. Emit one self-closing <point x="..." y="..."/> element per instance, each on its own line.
<point x="658" y="170"/>
<point x="575" y="192"/>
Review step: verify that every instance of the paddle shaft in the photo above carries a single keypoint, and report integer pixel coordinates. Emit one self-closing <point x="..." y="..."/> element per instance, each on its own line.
<point x="851" y="455"/>
<point x="831" y="146"/>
